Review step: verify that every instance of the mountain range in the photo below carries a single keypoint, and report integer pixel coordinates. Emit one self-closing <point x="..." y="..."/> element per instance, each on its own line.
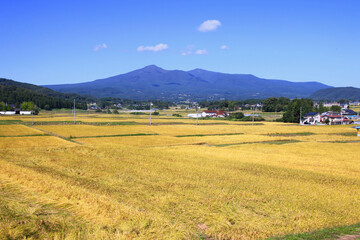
<point x="153" y="82"/>
<point x="337" y="93"/>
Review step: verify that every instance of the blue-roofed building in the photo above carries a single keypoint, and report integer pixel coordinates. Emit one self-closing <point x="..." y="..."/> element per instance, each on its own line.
<point x="350" y="114"/>
<point x="311" y="118"/>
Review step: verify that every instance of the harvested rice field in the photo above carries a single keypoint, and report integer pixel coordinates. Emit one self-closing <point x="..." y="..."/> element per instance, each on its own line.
<point x="173" y="179"/>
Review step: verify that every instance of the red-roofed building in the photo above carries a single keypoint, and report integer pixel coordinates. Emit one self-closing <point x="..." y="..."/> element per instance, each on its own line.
<point x="335" y="119"/>
<point x="214" y="114"/>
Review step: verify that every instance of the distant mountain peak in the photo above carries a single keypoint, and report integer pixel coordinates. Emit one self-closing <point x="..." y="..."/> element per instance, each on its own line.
<point x="153" y="82"/>
<point x="152" y="67"/>
<point x="200" y="70"/>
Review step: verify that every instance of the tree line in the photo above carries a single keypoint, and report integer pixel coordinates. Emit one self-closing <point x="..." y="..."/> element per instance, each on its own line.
<point x="228" y="104"/>
<point x="12" y="95"/>
<point x="133" y="104"/>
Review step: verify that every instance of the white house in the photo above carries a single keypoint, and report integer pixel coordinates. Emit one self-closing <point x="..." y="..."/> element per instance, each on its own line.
<point x="14" y="112"/>
<point x="194" y="115"/>
<point x="8" y="113"/>
<point x="214" y="114"/>
<point x="335" y="119"/>
<point x="331" y="104"/>
<point x="25" y="112"/>
<point x="311" y="118"/>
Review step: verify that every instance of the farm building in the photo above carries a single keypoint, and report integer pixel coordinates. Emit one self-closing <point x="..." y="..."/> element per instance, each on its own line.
<point x="195" y="115"/>
<point x="335" y="119"/>
<point x="214" y="114"/>
<point x="311" y="118"/>
<point x="16" y="112"/>
<point x="350" y="114"/>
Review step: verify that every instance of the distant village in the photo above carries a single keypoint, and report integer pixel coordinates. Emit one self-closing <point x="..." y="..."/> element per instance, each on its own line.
<point x="344" y="116"/>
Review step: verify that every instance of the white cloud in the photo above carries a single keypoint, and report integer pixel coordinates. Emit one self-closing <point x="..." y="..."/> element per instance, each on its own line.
<point x="224" y="47"/>
<point x="188" y="51"/>
<point x="209" y="25"/>
<point x="201" y="52"/>
<point x="156" y="48"/>
<point x="100" y="46"/>
<point x="185" y="53"/>
<point x="191" y="51"/>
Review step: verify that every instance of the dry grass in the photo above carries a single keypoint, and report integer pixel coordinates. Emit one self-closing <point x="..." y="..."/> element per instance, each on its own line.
<point x="166" y="187"/>
<point x="17" y="130"/>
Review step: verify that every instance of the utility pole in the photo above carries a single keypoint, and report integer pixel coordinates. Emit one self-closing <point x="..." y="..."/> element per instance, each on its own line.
<point x="253" y="115"/>
<point x="74" y="113"/>
<point x="341" y="115"/>
<point x="300" y="114"/>
<point x="32" y="117"/>
<point x="150" y="112"/>
<point x="197" y="116"/>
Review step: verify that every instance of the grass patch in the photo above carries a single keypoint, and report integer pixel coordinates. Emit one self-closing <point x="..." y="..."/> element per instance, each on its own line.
<point x="53" y="122"/>
<point x="329" y="233"/>
<point x="353" y="141"/>
<point x="347" y="134"/>
<point x="81" y="123"/>
<point x="118" y="135"/>
<point x="276" y="142"/>
<point x="204" y="135"/>
<point x="290" y="134"/>
<point x="111" y="123"/>
<point x="9" y="122"/>
<point x="249" y="124"/>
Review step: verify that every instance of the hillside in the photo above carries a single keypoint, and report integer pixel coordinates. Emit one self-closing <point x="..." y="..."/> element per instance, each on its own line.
<point x="337" y="93"/>
<point x="153" y="82"/>
<point x="46" y="91"/>
<point x="13" y="92"/>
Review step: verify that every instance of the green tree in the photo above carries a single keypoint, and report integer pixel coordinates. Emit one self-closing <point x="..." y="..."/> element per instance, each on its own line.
<point x="335" y="108"/>
<point x="47" y="107"/>
<point x="274" y="104"/>
<point x="28" y="106"/>
<point x="237" y="115"/>
<point x="2" y="106"/>
<point x="320" y="108"/>
<point x="296" y="108"/>
<point x="270" y="104"/>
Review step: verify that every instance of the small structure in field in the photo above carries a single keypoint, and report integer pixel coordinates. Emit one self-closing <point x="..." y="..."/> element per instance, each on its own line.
<point x="194" y="115"/>
<point x="214" y="114"/>
<point x="358" y="131"/>
<point x="25" y="112"/>
<point x="16" y="112"/>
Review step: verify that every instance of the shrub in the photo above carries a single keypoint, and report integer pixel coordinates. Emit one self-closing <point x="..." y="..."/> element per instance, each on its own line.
<point x="237" y="115"/>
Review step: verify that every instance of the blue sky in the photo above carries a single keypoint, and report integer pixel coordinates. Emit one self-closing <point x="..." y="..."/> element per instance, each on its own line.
<point x="53" y="42"/>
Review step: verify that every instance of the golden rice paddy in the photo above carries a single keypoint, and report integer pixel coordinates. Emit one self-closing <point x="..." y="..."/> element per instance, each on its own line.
<point x="17" y="130"/>
<point x="174" y="180"/>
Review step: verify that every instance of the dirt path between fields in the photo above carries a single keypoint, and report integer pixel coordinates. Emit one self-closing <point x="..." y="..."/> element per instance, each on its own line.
<point x="55" y="135"/>
<point x="349" y="237"/>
